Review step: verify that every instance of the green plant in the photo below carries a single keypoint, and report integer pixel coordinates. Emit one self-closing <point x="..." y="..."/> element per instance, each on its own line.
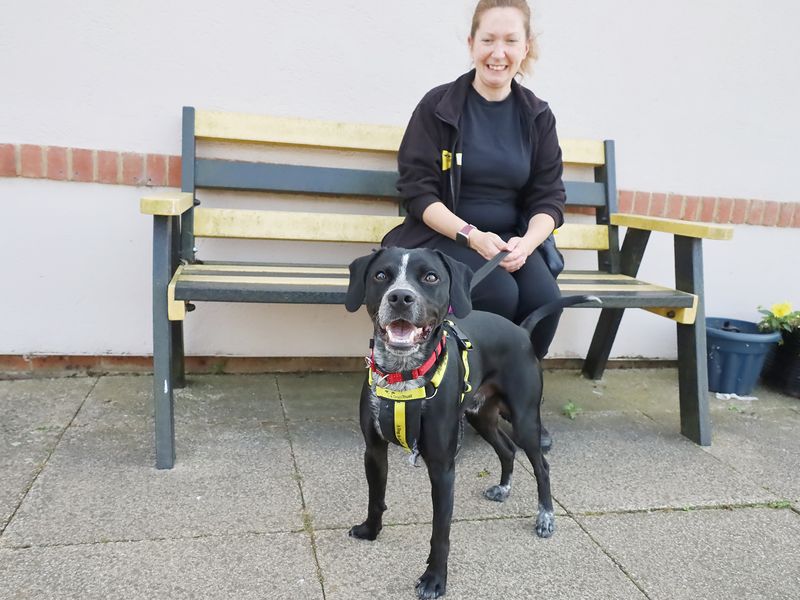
<point x="571" y="410"/>
<point x="779" y="317"/>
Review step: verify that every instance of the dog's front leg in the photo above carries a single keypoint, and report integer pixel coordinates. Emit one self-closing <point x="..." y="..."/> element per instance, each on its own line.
<point x="376" y="467"/>
<point x="433" y="582"/>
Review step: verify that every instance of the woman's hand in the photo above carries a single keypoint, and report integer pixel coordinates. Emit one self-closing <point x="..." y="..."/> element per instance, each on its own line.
<point x="487" y="244"/>
<point x="520" y="250"/>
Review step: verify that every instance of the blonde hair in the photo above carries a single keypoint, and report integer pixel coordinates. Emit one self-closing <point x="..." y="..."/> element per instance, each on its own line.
<point x="522" y="6"/>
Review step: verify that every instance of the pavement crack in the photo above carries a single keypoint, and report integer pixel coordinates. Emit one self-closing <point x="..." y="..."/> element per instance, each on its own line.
<point x="40" y="467"/>
<point x="308" y="519"/>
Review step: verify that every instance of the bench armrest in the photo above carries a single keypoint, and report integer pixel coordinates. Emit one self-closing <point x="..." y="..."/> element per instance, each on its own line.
<point x="684" y="228"/>
<point x="167" y="205"/>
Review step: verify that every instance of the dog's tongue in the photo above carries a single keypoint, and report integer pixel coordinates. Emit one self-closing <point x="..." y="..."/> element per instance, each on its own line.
<point x="402" y="332"/>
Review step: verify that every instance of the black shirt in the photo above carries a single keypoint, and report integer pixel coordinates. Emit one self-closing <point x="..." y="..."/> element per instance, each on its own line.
<point x="496" y="162"/>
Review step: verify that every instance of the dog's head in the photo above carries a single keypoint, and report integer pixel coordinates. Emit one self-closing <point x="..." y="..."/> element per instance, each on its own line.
<point x="408" y="294"/>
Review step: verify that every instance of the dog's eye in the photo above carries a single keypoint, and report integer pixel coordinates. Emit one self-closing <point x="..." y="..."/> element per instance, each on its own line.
<point x="381" y="276"/>
<point x="430" y="277"/>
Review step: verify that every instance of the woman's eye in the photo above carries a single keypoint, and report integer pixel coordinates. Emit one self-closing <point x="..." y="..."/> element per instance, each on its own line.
<point x="431" y="278"/>
<point x="381" y="276"/>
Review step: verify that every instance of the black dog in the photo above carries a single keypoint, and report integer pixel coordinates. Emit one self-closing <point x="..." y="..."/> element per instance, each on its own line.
<point x="427" y="373"/>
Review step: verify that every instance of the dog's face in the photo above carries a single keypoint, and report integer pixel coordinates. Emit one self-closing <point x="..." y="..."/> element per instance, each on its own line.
<point x="408" y="294"/>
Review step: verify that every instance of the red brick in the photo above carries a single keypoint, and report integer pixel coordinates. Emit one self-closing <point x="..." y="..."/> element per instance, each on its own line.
<point x="674" y="206"/>
<point x="755" y="215"/>
<point x="82" y="165"/>
<point x="641" y="203"/>
<point x="8" y="160"/>
<point x="31" y="158"/>
<point x="690" y="208"/>
<point x="796" y="220"/>
<point x="56" y="162"/>
<point x="658" y="204"/>
<point x="739" y="214"/>
<point x="724" y="210"/>
<point x="708" y="206"/>
<point x="174" y="171"/>
<point x="771" y="212"/>
<point x="133" y="168"/>
<point x="625" y="201"/>
<point x="787" y="213"/>
<point x="107" y="167"/>
<point x="156" y="169"/>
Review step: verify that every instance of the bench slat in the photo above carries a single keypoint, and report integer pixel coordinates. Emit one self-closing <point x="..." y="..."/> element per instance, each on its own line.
<point x="239" y="127"/>
<point x="335" y="227"/>
<point x="328" y="284"/>
<point x="266" y="177"/>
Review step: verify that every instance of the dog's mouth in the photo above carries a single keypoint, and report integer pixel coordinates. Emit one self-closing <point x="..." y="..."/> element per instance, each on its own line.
<point x="403" y="334"/>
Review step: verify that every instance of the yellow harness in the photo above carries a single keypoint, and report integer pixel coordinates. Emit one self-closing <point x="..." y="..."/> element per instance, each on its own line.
<point x="400" y="412"/>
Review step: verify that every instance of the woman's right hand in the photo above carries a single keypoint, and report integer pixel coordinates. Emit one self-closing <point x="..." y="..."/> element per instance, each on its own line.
<point x="486" y="243"/>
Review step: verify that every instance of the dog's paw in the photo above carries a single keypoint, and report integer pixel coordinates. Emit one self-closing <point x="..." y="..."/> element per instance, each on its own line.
<point x="498" y="493"/>
<point x="545" y="523"/>
<point x="431" y="585"/>
<point x="364" y="532"/>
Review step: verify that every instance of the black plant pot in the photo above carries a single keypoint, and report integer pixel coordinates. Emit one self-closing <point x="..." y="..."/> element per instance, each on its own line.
<point x="782" y="368"/>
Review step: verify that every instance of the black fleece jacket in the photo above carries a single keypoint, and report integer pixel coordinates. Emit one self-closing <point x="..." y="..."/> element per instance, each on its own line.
<point x="429" y="161"/>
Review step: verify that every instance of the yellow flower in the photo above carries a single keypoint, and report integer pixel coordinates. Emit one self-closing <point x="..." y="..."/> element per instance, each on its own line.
<point x="781" y="310"/>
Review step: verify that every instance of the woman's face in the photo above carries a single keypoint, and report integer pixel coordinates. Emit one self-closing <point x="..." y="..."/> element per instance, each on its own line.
<point x="497" y="50"/>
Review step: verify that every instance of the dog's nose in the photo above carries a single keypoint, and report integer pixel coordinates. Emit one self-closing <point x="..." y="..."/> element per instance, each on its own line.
<point x="401" y="298"/>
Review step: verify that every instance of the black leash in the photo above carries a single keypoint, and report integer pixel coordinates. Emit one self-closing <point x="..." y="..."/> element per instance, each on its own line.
<point x="481" y="273"/>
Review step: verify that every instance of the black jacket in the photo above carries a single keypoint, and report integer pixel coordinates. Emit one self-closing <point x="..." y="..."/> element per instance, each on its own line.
<point x="430" y="155"/>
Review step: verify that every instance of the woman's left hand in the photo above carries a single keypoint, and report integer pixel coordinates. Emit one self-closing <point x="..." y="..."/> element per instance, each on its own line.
<point x="518" y="255"/>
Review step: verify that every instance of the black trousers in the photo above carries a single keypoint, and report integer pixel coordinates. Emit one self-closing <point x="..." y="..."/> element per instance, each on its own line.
<point x="512" y="295"/>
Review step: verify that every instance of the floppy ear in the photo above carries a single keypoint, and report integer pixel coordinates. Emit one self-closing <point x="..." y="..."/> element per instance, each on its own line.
<point x="358" y="281"/>
<point x="460" y="279"/>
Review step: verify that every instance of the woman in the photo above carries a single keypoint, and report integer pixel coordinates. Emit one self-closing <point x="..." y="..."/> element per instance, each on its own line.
<point x="480" y="170"/>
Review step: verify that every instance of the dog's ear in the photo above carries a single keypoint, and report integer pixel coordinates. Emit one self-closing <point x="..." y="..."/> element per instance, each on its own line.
<point x="460" y="279"/>
<point x="356" y="289"/>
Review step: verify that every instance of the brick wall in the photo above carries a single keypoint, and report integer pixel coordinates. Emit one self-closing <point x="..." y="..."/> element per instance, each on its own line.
<point x="162" y="170"/>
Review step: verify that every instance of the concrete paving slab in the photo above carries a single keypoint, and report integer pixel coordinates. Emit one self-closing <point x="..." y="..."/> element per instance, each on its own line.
<point x="763" y="446"/>
<point x="488" y="559"/>
<point x="330" y="460"/>
<point x="321" y="396"/>
<point x="625" y="461"/>
<point x="33" y="415"/>
<point x="741" y="553"/>
<point x="103" y="486"/>
<point x="275" y="566"/>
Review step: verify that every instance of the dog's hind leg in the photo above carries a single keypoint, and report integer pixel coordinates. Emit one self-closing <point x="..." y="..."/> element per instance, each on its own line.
<point x="376" y="467"/>
<point x="484" y="421"/>
<point x="527" y="435"/>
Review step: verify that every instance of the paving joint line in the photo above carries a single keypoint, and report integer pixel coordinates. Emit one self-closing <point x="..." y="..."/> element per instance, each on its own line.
<point x="43" y="464"/>
<point x="308" y="521"/>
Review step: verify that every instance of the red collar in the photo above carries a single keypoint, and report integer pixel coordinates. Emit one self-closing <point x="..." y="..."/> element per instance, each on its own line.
<point x="409" y="375"/>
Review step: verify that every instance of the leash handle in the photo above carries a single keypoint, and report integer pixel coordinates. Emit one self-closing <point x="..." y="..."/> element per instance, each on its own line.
<point x="481" y="273"/>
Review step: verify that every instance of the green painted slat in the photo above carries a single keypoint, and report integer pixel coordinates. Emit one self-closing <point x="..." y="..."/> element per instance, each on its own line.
<point x="250" y="176"/>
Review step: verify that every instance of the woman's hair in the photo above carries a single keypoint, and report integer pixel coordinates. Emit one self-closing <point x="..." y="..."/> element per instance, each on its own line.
<point x="522" y="6"/>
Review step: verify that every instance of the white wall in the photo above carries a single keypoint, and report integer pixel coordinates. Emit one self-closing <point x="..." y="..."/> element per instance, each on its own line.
<point x="700" y="95"/>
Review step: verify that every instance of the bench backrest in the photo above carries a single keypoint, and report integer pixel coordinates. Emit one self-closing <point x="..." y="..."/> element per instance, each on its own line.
<point x="336" y="182"/>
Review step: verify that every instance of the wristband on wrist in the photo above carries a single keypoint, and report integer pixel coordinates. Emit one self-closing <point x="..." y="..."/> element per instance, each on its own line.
<point x="462" y="237"/>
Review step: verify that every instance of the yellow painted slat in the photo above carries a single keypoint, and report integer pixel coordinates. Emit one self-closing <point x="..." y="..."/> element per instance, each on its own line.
<point x="675" y="226"/>
<point x="594" y="276"/>
<point x="287" y="225"/>
<point x="229" y="126"/>
<point x="685" y="316"/>
<point x="583" y="152"/>
<point x="302" y="132"/>
<point x="176" y="309"/>
<point x="582" y="237"/>
<point x="283" y="281"/>
<point x="267" y="269"/>
<point x="172" y="204"/>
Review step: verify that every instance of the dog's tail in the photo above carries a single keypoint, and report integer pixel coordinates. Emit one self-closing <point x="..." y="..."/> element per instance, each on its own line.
<point x="532" y="320"/>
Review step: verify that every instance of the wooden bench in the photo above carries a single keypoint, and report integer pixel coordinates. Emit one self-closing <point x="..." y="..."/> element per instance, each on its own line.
<point x="180" y="278"/>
